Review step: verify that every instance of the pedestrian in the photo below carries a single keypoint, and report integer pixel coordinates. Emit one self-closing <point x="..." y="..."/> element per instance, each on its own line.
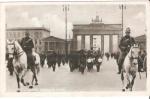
<point x="125" y="44"/>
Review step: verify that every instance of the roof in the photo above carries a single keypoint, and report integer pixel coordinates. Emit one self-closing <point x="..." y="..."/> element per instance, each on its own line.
<point x="53" y="39"/>
<point x="141" y="38"/>
<point x="27" y="28"/>
<point x="97" y="26"/>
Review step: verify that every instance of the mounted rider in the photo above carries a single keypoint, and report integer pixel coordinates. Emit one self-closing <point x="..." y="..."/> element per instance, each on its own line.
<point x="28" y="45"/>
<point x="125" y="44"/>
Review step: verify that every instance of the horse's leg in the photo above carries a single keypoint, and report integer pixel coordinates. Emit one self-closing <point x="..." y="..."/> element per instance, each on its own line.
<point x="18" y="82"/>
<point x="128" y="81"/>
<point x="32" y="79"/>
<point x="35" y="76"/>
<point x="22" y="77"/>
<point x="128" y="84"/>
<point x="36" y="80"/>
<point x="122" y="79"/>
<point x="132" y="82"/>
<point x="31" y="84"/>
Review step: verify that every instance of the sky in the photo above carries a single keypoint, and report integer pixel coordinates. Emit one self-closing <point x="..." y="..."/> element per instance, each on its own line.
<point x="52" y="17"/>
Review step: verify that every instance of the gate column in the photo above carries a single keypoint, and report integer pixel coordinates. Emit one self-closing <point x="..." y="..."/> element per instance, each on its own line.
<point x="91" y="41"/>
<point x="110" y="43"/>
<point x="75" y="42"/>
<point x="83" y="42"/>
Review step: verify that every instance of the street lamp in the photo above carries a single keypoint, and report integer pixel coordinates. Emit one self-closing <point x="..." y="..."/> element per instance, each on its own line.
<point x="122" y="7"/>
<point x="65" y="10"/>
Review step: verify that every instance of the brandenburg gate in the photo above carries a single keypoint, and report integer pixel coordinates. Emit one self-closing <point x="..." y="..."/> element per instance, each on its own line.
<point x="109" y="35"/>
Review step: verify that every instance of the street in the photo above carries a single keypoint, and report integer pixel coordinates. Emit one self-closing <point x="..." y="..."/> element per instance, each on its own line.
<point x="64" y="80"/>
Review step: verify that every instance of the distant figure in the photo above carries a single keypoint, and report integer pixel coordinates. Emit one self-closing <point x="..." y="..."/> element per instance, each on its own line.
<point x="107" y="55"/>
<point x="112" y="55"/>
<point x="141" y="57"/>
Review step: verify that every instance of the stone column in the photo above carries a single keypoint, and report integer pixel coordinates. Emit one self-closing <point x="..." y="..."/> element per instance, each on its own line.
<point x="83" y="42"/>
<point x="102" y="43"/>
<point x="74" y="42"/>
<point x="91" y="41"/>
<point x="110" y="43"/>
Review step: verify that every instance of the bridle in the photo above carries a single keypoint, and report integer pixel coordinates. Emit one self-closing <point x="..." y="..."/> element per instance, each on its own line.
<point x="132" y="54"/>
<point x="13" y="45"/>
<point x="16" y="51"/>
<point x="131" y="57"/>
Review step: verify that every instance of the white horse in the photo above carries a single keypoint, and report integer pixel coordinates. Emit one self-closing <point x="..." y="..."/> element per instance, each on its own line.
<point x="129" y="69"/>
<point x="20" y="63"/>
<point x="15" y="51"/>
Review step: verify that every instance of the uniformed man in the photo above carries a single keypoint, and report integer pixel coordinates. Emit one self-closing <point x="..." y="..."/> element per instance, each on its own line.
<point x="125" y="44"/>
<point x="28" y="45"/>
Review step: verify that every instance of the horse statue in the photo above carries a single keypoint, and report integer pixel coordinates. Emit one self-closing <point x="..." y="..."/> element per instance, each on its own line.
<point x="130" y="67"/>
<point x="15" y="51"/>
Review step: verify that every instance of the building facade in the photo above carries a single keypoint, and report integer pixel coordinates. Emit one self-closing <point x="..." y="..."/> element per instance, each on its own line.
<point x="52" y="43"/>
<point x="141" y="40"/>
<point x="97" y="35"/>
<point x="36" y="33"/>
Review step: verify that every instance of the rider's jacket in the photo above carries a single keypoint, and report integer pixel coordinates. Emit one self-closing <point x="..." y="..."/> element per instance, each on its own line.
<point x="27" y="44"/>
<point x="126" y="43"/>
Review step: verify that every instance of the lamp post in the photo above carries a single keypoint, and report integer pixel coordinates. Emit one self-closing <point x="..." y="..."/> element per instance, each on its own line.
<point x="122" y="7"/>
<point x="65" y="10"/>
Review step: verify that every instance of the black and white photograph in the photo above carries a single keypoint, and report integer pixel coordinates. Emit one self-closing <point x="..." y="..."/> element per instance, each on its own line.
<point x="73" y="47"/>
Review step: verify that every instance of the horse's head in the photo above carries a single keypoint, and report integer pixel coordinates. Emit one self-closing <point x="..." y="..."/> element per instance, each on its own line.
<point x="13" y="48"/>
<point x="10" y="48"/>
<point x="134" y="53"/>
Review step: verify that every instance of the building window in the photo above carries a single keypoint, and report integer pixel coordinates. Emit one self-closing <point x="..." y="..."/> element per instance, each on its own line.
<point x="46" y="46"/>
<point x="50" y="46"/>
